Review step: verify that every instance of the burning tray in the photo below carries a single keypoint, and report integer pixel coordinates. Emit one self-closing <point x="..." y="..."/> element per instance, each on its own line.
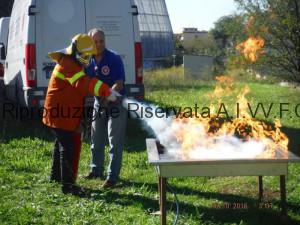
<point x="171" y="165"/>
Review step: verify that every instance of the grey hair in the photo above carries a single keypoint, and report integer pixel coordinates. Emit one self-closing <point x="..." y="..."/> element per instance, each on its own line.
<point x="94" y="31"/>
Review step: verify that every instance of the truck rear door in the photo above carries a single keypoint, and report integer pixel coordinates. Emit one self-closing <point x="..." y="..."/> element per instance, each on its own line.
<point x="115" y="18"/>
<point x="56" y="23"/>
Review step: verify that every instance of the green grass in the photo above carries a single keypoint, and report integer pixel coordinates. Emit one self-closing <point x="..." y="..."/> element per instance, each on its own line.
<point x="26" y="196"/>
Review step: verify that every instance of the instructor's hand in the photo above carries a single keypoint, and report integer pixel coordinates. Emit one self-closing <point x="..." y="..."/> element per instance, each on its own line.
<point x="113" y="96"/>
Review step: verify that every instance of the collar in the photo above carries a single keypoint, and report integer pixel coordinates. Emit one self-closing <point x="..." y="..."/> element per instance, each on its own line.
<point x="104" y="55"/>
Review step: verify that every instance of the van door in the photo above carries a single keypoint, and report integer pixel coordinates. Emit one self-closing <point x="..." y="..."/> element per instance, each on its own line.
<point x="56" y="23"/>
<point x="115" y="18"/>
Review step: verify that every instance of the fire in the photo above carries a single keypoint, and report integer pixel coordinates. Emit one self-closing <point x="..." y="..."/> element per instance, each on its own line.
<point x="251" y="48"/>
<point x="225" y="84"/>
<point x="202" y="134"/>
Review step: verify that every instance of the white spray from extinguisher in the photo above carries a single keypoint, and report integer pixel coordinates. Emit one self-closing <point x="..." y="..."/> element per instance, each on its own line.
<point x="154" y="120"/>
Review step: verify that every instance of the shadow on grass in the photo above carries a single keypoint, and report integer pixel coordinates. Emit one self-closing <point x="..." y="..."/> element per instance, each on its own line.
<point x="136" y="136"/>
<point x="16" y="129"/>
<point x="179" y="87"/>
<point x="294" y="140"/>
<point x="231" y="198"/>
<point x="253" y="215"/>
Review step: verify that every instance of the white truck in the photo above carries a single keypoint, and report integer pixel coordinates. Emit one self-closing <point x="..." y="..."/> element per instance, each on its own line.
<point x="4" y="23"/>
<point x="39" y="26"/>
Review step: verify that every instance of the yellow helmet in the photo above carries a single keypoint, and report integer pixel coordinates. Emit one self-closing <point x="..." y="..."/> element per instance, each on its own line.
<point x="82" y="48"/>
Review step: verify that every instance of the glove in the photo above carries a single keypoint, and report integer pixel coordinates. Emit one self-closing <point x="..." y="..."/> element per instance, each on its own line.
<point x="113" y="96"/>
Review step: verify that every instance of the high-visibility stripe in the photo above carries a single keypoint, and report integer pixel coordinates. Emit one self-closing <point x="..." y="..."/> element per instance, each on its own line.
<point x="76" y="76"/>
<point x="97" y="87"/>
<point x="58" y="74"/>
<point x="72" y="79"/>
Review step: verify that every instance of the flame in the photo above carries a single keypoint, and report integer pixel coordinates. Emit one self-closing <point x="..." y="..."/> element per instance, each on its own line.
<point x="198" y="131"/>
<point x="224" y="84"/>
<point x="251" y="48"/>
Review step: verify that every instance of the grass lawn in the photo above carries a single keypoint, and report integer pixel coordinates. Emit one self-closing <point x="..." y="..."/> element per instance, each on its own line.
<point x="26" y="196"/>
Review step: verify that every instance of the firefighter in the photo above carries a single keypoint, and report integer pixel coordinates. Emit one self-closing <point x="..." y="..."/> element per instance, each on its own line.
<point x="64" y="105"/>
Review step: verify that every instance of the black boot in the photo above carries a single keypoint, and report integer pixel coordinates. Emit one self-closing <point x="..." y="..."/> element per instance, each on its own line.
<point x="74" y="190"/>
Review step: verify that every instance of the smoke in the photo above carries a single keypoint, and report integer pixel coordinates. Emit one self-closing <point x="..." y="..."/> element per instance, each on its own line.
<point x="228" y="147"/>
<point x="204" y="146"/>
<point x="156" y="126"/>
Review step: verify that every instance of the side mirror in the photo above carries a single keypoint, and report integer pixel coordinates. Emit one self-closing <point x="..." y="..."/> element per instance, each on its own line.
<point x="2" y="51"/>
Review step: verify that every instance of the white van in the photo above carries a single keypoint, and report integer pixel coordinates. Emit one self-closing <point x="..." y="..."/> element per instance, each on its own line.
<point x="38" y="27"/>
<point x="4" y="23"/>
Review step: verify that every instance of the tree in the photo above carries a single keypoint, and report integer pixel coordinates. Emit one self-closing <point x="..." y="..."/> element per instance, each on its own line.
<point x="227" y="32"/>
<point x="278" y="22"/>
<point x="202" y="45"/>
<point x="178" y="45"/>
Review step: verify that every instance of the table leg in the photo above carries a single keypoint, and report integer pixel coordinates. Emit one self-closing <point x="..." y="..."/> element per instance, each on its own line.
<point x="283" y="195"/>
<point x="163" y="201"/>
<point x="159" y="190"/>
<point x="260" y="188"/>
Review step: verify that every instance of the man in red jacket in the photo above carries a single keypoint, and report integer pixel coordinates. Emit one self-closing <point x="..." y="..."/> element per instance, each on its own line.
<point x="64" y="106"/>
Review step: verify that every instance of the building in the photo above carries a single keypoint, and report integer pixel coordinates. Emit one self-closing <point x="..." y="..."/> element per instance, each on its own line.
<point x="156" y="33"/>
<point x="198" y="66"/>
<point x="191" y="34"/>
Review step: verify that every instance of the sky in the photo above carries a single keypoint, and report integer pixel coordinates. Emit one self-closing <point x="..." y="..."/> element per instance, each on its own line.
<point x="198" y="13"/>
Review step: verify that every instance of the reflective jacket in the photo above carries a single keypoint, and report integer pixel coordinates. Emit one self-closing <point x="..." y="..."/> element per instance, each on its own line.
<point x="67" y="89"/>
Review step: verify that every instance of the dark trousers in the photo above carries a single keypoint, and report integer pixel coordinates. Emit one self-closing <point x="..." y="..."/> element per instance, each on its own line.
<point x="65" y="156"/>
